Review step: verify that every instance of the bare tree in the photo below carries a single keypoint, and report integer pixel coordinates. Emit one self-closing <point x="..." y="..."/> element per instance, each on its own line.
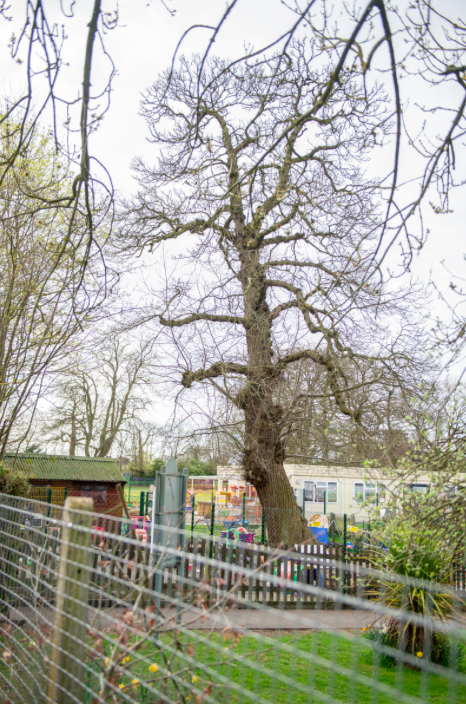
<point x="315" y="430"/>
<point x="408" y="47"/>
<point x="275" y="266"/>
<point x="403" y="417"/>
<point x="102" y="397"/>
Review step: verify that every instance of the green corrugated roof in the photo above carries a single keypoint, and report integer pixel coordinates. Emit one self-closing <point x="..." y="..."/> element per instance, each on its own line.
<point x="57" y="467"/>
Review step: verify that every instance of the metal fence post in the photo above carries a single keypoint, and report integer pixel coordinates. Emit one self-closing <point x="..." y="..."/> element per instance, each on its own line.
<point x="212" y="518"/>
<point x="325" y="501"/>
<point x="141" y="503"/>
<point x="263" y="526"/>
<point x="343" y="559"/>
<point x="67" y="670"/>
<point x="192" y="515"/>
<point x="304" y="503"/>
<point x="344" y="537"/>
<point x="244" y="508"/>
<point x="212" y="526"/>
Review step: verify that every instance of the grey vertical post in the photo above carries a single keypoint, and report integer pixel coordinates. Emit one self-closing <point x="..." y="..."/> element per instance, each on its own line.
<point x="168" y="526"/>
<point x="67" y="671"/>
<point x="182" y="538"/>
<point x="193" y="504"/>
<point x="212" y="525"/>
<point x="344" y="554"/>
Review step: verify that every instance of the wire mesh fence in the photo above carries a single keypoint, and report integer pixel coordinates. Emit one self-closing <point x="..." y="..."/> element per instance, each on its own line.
<point x="246" y="521"/>
<point x="93" y="615"/>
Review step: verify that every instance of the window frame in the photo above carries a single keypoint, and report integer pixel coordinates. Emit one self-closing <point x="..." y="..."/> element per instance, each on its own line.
<point x="415" y="487"/>
<point x="322" y="485"/>
<point x="379" y="494"/>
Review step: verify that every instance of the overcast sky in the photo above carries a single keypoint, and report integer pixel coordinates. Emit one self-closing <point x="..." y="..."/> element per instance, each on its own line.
<point x="143" y="45"/>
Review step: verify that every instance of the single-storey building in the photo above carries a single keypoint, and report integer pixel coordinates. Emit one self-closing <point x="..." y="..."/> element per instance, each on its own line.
<point x="54" y="477"/>
<point x="350" y="490"/>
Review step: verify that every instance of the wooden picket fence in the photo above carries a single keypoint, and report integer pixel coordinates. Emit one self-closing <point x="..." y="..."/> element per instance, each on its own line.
<point x="119" y="565"/>
<point x="317" y="566"/>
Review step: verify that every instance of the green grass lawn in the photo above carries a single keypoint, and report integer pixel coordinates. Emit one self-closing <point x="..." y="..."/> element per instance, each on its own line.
<point x="286" y="677"/>
<point x="233" y="669"/>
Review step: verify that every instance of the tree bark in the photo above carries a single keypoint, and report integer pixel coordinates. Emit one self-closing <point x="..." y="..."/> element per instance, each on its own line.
<point x="264" y="469"/>
<point x="264" y="450"/>
<point x="140" y="454"/>
<point x="73" y="431"/>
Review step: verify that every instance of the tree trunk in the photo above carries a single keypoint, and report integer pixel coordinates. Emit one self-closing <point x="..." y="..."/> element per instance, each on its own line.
<point x="140" y="454"/>
<point x="263" y="468"/>
<point x="264" y="451"/>
<point x="73" y="431"/>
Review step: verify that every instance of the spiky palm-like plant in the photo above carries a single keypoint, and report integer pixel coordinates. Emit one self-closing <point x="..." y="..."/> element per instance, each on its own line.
<point x="414" y="578"/>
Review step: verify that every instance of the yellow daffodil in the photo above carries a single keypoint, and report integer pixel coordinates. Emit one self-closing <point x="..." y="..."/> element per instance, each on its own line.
<point x="126" y="659"/>
<point x="107" y="662"/>
<point x="194" y="678"/>
<point x="153" y="667"/>
<point x="121" y="686"/>
<point x="419" y="655"/>
<point x="135" y="683"/>
<point x="363" y="628"/>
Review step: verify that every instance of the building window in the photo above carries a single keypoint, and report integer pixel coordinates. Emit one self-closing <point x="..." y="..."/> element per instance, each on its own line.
<point x="368" y="492"/>
<point x="314" y="491"/>
<point x="419" y="488"/>
<point x="309" y="491"/>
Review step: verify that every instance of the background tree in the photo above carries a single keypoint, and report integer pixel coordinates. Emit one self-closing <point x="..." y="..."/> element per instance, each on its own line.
<point x="45" y="304"/>
<point x="14" y="481"/>
<point x="271" y="272"/>
<point x="36" y="42"/>
<point x="103" y="396"/>
<point x="316" y="429"/>
<point x="401" y="414"/>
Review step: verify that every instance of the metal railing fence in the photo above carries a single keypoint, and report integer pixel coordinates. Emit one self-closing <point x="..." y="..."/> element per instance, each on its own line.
<point x="213" y="518"/>
<point x="91" y="615"/>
